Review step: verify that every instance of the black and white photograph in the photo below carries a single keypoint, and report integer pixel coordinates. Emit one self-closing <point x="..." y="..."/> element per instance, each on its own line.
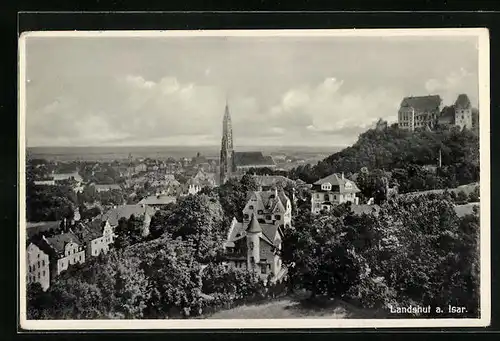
<point x="228" y="179"/>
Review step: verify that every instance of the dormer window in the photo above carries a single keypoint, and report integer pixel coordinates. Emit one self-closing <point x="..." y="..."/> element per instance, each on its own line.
<point x="260" y="212"/>
<point x="326" y="186"/>
<point x="250" y="207"/>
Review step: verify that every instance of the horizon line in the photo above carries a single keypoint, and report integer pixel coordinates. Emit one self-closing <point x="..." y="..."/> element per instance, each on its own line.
<point x="184" y="146"/>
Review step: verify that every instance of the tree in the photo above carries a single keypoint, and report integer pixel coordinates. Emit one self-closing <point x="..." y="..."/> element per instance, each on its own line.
<point x="159" y="221"/>
<point x="49" y="203"/>
<point x="461" y="197"/>
<point x="199" y="219"/>
<point x="88" y="214"/>
<point x="128" y="232"/>
<point x="174" y="277"/>
<point x="319" y="256"/>
<point x="394" y="148"/>
<point x="474" y="195"/>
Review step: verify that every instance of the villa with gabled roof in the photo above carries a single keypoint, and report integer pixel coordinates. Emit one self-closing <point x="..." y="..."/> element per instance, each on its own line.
<point x="255" y="243"/>
<point x="333" y="190"/>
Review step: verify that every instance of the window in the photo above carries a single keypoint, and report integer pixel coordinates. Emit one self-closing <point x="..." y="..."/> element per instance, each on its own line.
<point x="262" y="221"/>
<point x="317" y="195"/>
<point x="260" y="212"/>
<point x="38" y="256"/>
<point x="334" y="197"/>
<point x="263" y="269"/>
<point x="43" y="273"/>
<point x="250" y="207"/>
<point x="39" y="275"/>
<point x="80" y="258"/>
<point x="252" y="260"/>
<point x="38" y="264"/>
<point x="268" y="217"/>
<point x="278" y="217"/>
<point x="326" y="197"/>
<point x="245" y="216"/>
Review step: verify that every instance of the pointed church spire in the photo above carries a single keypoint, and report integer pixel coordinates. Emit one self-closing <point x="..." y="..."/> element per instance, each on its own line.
<point x="226" y="151"/>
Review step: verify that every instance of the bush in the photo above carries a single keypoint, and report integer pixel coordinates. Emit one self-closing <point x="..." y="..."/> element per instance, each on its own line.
<point x="474" y="195"/>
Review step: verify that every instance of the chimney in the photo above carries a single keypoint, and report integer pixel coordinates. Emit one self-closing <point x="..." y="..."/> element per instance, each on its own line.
<point x="343" y="176"/>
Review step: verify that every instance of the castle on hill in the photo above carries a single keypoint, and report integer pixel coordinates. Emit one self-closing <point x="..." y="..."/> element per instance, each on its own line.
<point x="425" y="112"/>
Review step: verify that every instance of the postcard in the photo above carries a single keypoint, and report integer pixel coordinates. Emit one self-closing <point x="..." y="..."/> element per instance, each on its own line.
<point x="254" y="179"/>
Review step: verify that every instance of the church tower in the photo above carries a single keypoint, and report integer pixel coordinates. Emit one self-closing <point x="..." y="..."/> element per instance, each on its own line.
<point x="226" y="150"/>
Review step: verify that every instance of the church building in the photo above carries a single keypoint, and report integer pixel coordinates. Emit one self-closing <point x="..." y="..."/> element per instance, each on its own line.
<point x="235" y="164"/>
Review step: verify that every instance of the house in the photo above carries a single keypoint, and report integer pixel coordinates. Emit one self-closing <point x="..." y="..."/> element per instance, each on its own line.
<point x="200" y="180"/>
<point x="419" y="112"/>
<point x="158" y="201"/>
<point x="113" y="215"/>
<point x="37" y="266"/>
<point x="64" y="249"/>
<point x="106" y="188"/>
<point x="267" y="182"/>
<point x="463" y="112"/>
<point x="45" y="182"/>
<point x="269" y="207"/>
<point x="333" y="190"/>
<point x="46" y="227"/>
<point x="255" y="246"/>
<point x="67" y="176"/>
<point x="246" y="160"/>
<point x="97" y="237"/>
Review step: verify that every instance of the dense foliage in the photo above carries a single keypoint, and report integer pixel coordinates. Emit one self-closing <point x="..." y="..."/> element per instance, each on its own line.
<point x="415" y="250"/>
<point x="49" y="203"/>
<point x="407" y="154"/>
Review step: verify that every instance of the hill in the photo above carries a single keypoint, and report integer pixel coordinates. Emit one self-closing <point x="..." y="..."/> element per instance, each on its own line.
<point x="393" y="148"/>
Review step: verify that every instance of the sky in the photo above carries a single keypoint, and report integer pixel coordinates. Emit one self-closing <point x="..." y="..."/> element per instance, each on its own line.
<point x="283" y="91"/>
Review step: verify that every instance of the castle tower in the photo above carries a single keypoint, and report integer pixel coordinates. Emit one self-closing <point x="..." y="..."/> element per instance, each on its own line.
<point x="463" y="112"/>
<point x="254" y="232"/>
<point x="226" y="150"/>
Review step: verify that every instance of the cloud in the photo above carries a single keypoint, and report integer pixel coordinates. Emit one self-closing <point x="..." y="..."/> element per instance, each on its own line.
<point x="325" y="111"/>
<point x="455" y="83"/>
<point x="142" y="111"/>
<point x="133" y="110"/>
